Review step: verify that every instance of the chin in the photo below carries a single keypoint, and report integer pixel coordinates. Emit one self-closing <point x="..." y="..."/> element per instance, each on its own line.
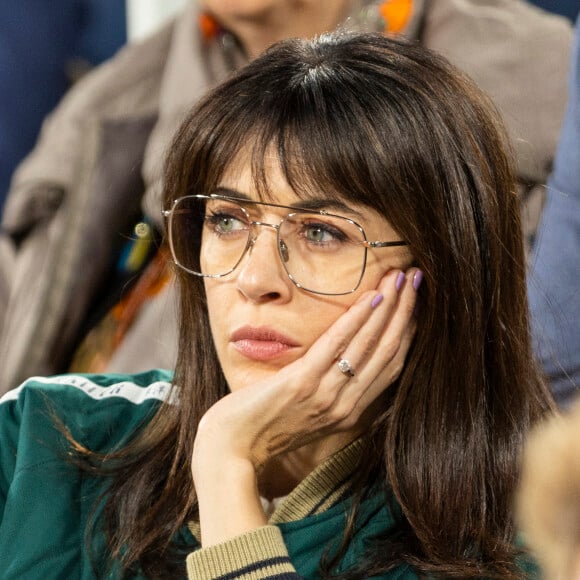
<point x="248" y="375"/>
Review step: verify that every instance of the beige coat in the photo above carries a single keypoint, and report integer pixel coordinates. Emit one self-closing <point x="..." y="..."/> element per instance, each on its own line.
<point x="98" y="163"/>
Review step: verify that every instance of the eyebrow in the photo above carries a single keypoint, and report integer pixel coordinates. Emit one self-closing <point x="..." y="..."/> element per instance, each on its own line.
<point x="311" y="204"/>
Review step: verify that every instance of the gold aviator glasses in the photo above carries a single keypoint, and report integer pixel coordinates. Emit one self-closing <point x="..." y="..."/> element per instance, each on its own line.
<point x="321" y="252"/>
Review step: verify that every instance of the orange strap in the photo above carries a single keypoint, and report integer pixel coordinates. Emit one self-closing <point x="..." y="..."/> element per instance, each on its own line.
<point x="99" y="345"/>
<point x="396" y="14"/>
<point x="151" y="281"/>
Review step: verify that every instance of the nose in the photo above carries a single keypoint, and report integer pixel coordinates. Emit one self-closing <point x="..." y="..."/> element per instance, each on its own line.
<point x="261" y="277"/>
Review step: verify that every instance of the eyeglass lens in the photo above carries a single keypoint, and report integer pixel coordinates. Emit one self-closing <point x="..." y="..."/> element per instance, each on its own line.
<point x="320" y="253"/>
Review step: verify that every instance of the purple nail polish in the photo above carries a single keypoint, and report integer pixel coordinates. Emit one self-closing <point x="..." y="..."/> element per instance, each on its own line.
<point x="417" y="279"/>
<point x="376" y="300"/>
<point x="400" y="281"/>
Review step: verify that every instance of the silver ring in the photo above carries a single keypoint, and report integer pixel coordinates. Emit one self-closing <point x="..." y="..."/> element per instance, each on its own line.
<point x="345" y="367"/>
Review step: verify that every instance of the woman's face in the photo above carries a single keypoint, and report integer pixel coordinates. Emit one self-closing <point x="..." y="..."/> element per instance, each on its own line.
<point x="228" y="12"/>
<point x="250" y="9"/>
<point x="260" y="320"/>
<point x="260" y="23"/>
<point x="240" y="8"/>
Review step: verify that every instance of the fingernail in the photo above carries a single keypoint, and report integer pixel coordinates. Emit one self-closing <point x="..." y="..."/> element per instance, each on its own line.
<point x="376" y="300"/>
<point x="400" y="281"/>
<point x="417" y="279"/>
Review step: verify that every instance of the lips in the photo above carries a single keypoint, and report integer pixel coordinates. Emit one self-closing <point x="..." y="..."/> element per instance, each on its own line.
<point x="261" y="343"/>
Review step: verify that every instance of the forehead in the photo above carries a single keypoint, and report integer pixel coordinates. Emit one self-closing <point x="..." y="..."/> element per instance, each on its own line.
<point x="262" y="175"/>
<point x="262" y="181"/>
<point x="264" y="178"/>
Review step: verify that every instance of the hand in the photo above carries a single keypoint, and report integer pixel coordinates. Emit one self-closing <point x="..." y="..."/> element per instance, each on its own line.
<point x="307" y="400"/>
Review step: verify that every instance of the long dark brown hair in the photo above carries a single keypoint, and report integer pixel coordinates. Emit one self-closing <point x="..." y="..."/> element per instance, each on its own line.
<point x="391" y="125"/>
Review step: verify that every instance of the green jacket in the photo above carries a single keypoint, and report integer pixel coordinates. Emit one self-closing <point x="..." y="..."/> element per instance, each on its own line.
<point x="46" y="501"/>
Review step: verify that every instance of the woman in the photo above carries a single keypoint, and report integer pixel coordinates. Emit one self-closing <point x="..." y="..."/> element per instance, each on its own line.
<point x="354" y="339"/>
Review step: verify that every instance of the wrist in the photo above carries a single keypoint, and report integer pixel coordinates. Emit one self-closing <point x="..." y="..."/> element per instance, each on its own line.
<point x="218" y="467"/>
<point x="214" y="453"/>
<point x="228" y="498"/>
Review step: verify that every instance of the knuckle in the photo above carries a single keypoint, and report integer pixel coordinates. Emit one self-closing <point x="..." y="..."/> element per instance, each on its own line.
<point x="324" y="406"/>
<point x="341" y="341"/>
<point x="391" y="349"/>
<point x="299" y="392"/>
<point x="342" y="414"/>
<point x="408" y="307"/>
<point x="368" y="345"/>
<point x="349" y="420"/>
<point x="336" y="416"/>
<point x="395" y="371"/>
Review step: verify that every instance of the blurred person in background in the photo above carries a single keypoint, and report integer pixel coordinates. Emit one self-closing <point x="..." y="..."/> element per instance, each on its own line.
<point x="553" y="281"/>
<point x="44" y="48"/>
<point x="88" y="283"/>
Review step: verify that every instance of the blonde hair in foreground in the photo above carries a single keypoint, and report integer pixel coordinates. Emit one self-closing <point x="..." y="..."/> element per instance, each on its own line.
<point x="549" y="498"/>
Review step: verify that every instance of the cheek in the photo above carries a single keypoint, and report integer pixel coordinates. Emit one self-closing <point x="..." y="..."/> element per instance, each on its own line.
<point x="315" y="315"/>
<point x="217" y="305"/>
<point x="378" y="265"/>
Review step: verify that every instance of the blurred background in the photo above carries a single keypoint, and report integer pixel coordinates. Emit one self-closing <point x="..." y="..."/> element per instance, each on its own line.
<point x="569" y="8"/>
<point x="46" y="46"/>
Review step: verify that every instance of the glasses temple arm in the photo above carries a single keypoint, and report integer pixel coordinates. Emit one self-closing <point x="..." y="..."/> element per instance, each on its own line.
<point x="384" y="244"/>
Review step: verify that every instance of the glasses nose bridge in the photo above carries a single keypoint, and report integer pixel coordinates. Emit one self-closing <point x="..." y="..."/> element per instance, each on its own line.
<point x="255" y="224"/>
<point x="281" y="246"/>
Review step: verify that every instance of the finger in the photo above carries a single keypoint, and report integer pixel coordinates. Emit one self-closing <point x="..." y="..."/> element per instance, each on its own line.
<point x="379" y="339"/>
<point x="332" y="345"/>
<point x="356" y="398"/>
<point x="389" y="343"/>
<point x="389" y="373"/>
<point x="380" y="351"/>
<point x="339" y="389"/>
